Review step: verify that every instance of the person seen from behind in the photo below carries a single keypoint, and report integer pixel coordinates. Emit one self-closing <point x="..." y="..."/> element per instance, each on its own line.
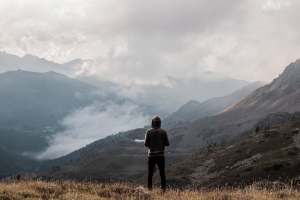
<point x="156" y="139"/>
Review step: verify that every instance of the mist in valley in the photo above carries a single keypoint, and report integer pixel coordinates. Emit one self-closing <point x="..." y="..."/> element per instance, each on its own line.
<point x="91" y="123"/>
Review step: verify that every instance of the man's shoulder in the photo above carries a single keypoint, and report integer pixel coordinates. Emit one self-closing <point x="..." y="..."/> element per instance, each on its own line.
<point x="163" y="130"/>
<point x="156" y="129"/>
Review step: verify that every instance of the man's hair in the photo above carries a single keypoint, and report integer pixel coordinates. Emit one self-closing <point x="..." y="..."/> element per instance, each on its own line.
<point x="156" y="122"/>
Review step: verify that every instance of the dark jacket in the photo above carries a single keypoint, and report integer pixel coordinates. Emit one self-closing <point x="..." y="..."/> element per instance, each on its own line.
<point x="156" y="139"/>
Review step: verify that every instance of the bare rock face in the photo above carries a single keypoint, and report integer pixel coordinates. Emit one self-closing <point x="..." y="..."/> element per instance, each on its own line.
<point x="247" y="162"/>
<point x="276" y="118"/>
<point x="202" y="175"/>
<point x="281" y="95"/>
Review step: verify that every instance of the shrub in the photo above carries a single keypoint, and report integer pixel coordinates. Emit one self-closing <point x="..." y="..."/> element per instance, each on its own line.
<point x="291" y="153"/>
<point x="277" y="167"/>
<point x="257" y="129"/>
<point x="248" y="169"/>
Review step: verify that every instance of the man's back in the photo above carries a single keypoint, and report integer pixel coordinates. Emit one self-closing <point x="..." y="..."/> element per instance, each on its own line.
<point x="156" y="139"/>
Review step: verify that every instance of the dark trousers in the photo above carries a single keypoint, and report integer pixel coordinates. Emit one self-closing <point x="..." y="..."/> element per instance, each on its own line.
<point x="160" y="161"/>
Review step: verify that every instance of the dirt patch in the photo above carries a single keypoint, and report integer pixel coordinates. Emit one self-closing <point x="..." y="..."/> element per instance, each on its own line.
<point x="246" y="162"/>
<point x="201" y="173"/>
<point x="296" y="139"/>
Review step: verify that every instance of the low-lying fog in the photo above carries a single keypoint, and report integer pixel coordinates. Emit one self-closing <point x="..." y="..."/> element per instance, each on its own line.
<point x="91" y="123"/>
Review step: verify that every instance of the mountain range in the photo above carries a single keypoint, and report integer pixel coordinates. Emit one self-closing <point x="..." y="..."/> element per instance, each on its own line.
<point x="32" y="106"/>
<point x="194" y="110"/>
<point x="169" y="98"/>
<point x="281" y="95"/>
<point x="30" y="101"/>
<point x="166" y="98"/>
<point x="229" y="127"/>
<point x="28" y="62"/>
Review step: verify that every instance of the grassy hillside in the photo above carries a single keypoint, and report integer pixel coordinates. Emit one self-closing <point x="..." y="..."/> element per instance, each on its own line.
<point x="122" y="159"/>
<point x="47" y="165"/>
<point x="272" y="154"/>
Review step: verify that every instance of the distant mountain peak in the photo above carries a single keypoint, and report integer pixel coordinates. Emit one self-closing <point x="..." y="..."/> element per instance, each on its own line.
<point x="192" y="102"/>
<point x="43" y="59"/>
<point x="72" y="62"/>
<point x="53" y="73"/>
<point x="30" y="57"/>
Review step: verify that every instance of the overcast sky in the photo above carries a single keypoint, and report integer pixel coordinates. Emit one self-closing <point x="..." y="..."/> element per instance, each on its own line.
<point x="142" y="42"/>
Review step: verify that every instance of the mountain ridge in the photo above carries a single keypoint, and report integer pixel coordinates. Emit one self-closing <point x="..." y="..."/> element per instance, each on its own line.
<point x="288" y="83"/>
<point x="194" y="110"/>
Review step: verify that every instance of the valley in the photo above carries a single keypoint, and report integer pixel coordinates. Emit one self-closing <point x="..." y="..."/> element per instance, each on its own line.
<point x="203" y="136"/>
<point x="105" y="99"/>
<point x="122" y="159"/>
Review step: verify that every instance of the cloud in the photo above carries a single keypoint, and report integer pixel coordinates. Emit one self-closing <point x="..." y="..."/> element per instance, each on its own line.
<point x="91" y="123"/>
<point x="127" y="92"/>
<point x="270" y="4"/>
<point x="136" y="42"/>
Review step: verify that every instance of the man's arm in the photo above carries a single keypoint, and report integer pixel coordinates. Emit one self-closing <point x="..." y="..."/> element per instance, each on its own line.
<point x="167" y="143"/>
<point x="146" y="141"/>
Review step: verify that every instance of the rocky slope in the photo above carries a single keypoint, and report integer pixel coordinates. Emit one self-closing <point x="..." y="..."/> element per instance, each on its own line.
<point x="272" y="154"/>
<point x="194" y="110"/>
<point x="271" y="119"/>
<point x="282" y="94"/>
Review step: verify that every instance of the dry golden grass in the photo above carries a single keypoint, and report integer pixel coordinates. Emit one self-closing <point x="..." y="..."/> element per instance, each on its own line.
<point x="37" y="189"/>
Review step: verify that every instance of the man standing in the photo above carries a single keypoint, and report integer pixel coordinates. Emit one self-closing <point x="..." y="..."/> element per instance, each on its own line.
<point x="156" y="139"/>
